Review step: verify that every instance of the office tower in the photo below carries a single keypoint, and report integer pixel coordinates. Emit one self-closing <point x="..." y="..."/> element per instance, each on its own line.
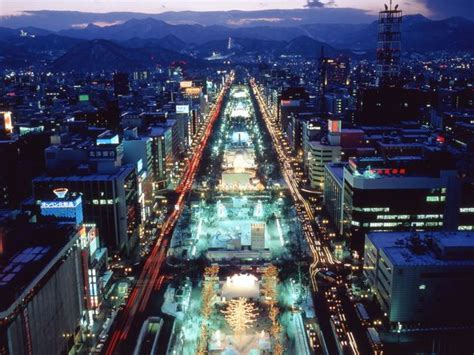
<point x="337" y="102"/>
<point x="334" y="72"/>
<point x="65" y="207"/>
<point x="311" y="131"/>
<point x="292" y="102"/>
<point x="465" y="220"/>
<point x="21" y="159"/>
<point x="41" y="285"/>
<point x="422" y="281"/>
<point x="110" y="200"/>
<point x="385" y="106"/>
<point x="333" y="193"/>
<point x="162" y="152"/>
<point x="389" y="45"/>
<point x="320" y="154"/>
<point x="121" y="84"/>
<point x="110" y="190"/>
<point x="399" y="193"/>
<point x="184" y="124"/>
<point x="138" y="151"/>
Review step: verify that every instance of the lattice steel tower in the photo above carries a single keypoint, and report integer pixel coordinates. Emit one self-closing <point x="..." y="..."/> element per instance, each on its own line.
<point x="389" y="45"/>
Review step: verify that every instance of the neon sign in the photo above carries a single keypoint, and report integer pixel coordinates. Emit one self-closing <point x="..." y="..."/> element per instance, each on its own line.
<point x="389" y="171"/>
<point x="60" y="192"/>
<point x="60" y="204"/>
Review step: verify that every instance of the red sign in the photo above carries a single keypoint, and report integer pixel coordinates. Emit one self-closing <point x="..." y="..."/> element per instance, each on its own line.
<point x="390" y="171"/>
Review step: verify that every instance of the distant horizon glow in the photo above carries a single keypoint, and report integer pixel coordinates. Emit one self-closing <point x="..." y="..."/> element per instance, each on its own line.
<point x="19" y="7"/>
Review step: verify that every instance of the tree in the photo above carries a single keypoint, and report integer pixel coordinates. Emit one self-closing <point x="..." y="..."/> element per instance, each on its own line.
<point x="210" y="279"/>
<point x="240" y="314"/>
<point x="278" y="349"/>
<point x="269" y="283"/>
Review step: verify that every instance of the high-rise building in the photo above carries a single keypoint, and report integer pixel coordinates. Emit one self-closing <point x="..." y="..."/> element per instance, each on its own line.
<point x="422" y="281"/>
<point x="389" y="45"/>
<point x="121" y="84"/>
<point x="41" y="288"/>
<point x="388" y="106"/>
<point x="162" y="152"/>
<point x="311" y="131"/>
<point x="293" y="101"/>
<point x="334" y="72"/>
<point x="21" y="159"/>
<point x="138" y="151"/>
<point x="110" y="190"/>
<point x="65" y="207"/>
<point x="320" y="154"/>
<point x="337" y="102"/>
<point x="398" y="194"/>
<point x="333" y="193"/>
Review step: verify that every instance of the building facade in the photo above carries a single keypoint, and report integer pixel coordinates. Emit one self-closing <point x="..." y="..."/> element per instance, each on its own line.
<point x="422" y="280"/>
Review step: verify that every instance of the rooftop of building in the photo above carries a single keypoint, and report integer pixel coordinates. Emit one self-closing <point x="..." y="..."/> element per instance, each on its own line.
<point x="426" y="248"/>
<point x="428" y="161"/>
<point x="336" y="170"/>
<point x="27" y="252"/>
<point x="158" y="130"/>
<point x="97" y="176"/>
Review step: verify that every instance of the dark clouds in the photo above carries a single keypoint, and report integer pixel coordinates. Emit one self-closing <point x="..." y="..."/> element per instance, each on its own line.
<point x="319" y="3"/>
<point x="449" y="8"/>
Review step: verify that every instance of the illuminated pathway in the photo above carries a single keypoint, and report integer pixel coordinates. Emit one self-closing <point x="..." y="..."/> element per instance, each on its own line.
<point x="150" y="278"/>
<point x="322" y="257"/>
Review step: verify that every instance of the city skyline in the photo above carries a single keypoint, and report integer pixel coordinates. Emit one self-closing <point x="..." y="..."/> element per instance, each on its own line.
<point x="280" y="182"/>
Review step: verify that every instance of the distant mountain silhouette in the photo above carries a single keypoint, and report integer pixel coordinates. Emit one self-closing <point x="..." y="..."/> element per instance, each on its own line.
<point x="419" y="33"/>
<point x="99" y="55"/>
<point x="61" y="20"/>
<point x="156" y="42"/>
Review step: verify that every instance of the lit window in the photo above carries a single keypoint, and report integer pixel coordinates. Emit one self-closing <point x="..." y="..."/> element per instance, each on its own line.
<point x="432" y="198"/>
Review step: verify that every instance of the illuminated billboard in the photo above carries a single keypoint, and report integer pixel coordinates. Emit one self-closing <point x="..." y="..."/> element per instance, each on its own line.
<point x="108" y="139"/>
<point x="290" y="103"/>
<point x="70" y="210"/>
<point x="334" y="126"/>
<point x="6" y="121"/>
<point x="186" y="84"/>
<point x="192" y="91"/>
<point x="182" y="109"/>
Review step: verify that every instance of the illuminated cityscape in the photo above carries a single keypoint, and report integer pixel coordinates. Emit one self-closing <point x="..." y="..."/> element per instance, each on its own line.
<point x="289" y="181"/>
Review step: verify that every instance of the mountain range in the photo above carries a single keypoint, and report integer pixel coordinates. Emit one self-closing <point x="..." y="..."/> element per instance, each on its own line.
<point x="419" y="33"/>
<point x="60" y="20"/>
<point x="139" y="43"/>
